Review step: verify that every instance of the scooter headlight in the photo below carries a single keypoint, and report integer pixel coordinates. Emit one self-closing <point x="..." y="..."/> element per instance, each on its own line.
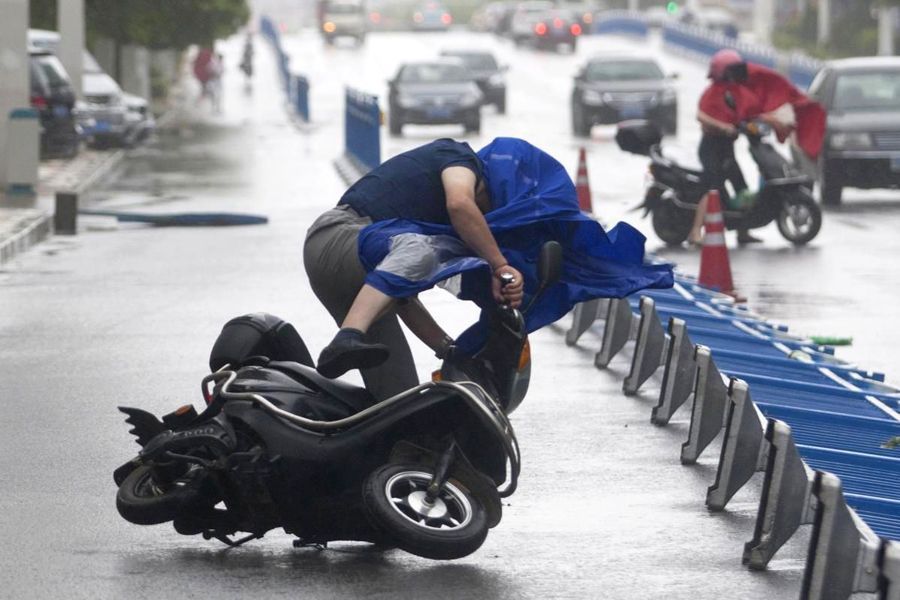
<point x="851" y="141"/>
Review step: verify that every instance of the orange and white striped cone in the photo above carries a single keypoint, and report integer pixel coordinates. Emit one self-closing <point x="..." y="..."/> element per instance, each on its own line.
<point x="582" y="185"/>
<point x="715" y="270"/>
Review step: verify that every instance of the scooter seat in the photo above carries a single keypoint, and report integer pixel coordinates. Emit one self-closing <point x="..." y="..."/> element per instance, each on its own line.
<point x="354" y="397"/>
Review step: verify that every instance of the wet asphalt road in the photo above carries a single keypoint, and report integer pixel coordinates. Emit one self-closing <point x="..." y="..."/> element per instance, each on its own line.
<point x="126" y="315"/>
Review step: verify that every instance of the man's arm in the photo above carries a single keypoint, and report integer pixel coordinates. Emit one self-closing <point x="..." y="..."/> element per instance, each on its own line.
<point x="469" y="223"/>
<point x="709" y="122"/>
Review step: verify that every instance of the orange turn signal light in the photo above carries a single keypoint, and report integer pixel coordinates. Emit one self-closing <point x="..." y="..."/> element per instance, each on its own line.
<point x="525" y="356"/>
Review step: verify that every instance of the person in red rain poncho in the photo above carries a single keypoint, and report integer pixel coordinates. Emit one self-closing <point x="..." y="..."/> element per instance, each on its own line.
<point x="756" y="92"/>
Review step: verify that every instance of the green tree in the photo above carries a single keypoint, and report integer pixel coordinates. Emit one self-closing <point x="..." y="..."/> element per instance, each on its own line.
<point x="156" y="24"/>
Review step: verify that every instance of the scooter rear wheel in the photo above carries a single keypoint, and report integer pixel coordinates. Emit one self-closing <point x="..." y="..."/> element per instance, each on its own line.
<point x="143" y="501"/>
<point x="453" y="526"/>
<point x="670" y="223"/>
<point x="800" y="218"/>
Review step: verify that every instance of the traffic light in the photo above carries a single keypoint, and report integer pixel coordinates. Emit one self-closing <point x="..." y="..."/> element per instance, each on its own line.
<point x="672" y="8"/>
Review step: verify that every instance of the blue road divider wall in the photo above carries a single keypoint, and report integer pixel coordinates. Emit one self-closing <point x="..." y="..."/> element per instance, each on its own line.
<point x="825" y="433"/>
<point x="296" y="87"/>
<point x="362" y="130"/>
<point x="701" y="43"/>
<point x="620" y="22"/>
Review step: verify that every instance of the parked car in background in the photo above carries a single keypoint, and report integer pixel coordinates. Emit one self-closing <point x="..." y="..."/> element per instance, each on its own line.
<point x="862" y="137"/>
<point x="433" y="92"/>
<point x="487" y="73"/>
<point x="431" y="16"/>
<point x="53" y="96"/>
<point x="610" y="89"/>
<point x="343" y="18"/>
<point x="107" y="115"/>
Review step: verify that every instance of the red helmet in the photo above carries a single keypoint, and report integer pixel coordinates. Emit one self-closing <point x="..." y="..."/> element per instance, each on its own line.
<point x="721" y="60"/>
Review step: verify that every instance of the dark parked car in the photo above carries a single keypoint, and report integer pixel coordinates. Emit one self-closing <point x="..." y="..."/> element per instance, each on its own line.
<point x="53" y="96"/>
<point x="862" y="138"/>
<point x="608" y="90"/>
<point x="550" y="29"/>
<point x="436" y="92"/>
<point x="487" y="73"/>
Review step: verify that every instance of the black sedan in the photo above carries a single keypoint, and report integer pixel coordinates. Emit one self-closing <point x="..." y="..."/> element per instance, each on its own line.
<point x="554" y="28"/>
<point x="862" y="136"/>
<point x="487" y="73"/>
<point x="434" y="93"/>
<point x="611" y="89"/>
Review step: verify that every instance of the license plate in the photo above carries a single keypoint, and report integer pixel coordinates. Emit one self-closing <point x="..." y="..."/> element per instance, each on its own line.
<point x="632" y="112"/>
<point x="61" y="111"/>
<point x="101" y="126"/>
<point x="438" y="113"/>
<point x="895" y="163"/>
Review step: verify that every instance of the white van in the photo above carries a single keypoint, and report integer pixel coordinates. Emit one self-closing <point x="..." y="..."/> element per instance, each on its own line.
<point x="343" y="18"/>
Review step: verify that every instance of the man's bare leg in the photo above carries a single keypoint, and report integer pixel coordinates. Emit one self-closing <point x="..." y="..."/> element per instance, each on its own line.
<point x="696" y="234"/>
<point x="349" y="350"/>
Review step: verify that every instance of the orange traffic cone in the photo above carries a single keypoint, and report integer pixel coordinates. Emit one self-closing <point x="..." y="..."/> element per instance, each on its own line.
<point x="582" y="186"/>
<point x="715" y="270"/>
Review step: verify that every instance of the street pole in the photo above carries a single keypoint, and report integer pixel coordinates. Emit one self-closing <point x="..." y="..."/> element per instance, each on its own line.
<point x="14" y="89"/>
<point x="763" y="20"/>
<point x="71" y="40"/>
<point x="887" y="18"/>
<point x="824" y="22"/>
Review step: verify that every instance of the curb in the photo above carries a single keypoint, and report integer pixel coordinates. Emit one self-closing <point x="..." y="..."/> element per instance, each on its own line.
<point x="33" y="231"/>
<point x="37" y="228"/>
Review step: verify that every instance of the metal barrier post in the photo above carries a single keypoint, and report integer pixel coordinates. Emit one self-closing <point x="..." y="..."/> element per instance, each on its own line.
<point x="583" y="316"/>
<point x="620" y="324"/>
<point x="678" y="375"/>
<point x="649" y="349"/>
<point x="300" y="96"/>
<point x="786" y="500"/>
<point x="708" y="412"/>
<point x="842" y="550"/>
<point x="744" y="448"/>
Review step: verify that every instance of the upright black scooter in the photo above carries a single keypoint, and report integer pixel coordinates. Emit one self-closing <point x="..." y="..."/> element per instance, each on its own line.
<point x="784" y="195"/>
<point x="278" y="445"/>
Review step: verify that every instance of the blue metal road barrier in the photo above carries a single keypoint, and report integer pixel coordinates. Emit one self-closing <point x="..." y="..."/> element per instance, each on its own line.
<point x="839" y="422"/>
<point x="620" y="22"/>
<point x="300" y="96"/>
<point x="703" y="43"/>
<point x="362" y="128"/>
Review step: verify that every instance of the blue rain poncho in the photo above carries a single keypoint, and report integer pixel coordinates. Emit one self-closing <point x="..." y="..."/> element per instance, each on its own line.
<point x="534" y="201"/>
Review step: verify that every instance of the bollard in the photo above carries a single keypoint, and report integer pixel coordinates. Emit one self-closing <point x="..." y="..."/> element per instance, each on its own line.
<point x="64" y="220"/>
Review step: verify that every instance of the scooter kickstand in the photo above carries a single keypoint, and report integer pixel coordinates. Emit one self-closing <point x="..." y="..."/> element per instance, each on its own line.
<point x="441" y="470"/>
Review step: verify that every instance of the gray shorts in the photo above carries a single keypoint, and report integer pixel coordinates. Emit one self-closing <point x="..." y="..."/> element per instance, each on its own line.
<point x="331" y="259"/>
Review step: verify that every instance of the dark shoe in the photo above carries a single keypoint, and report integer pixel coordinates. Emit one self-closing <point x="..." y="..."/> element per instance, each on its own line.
<point x="346" y="353"/>
<point x="745" y="238"/>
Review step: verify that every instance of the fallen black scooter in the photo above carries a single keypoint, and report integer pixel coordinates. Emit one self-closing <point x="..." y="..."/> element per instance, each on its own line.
<point x="278" y="445"/>
<point x="784" y="195"/>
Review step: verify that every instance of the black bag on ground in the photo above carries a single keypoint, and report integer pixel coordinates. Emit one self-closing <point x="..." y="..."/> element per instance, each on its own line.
<point x="258" y="334"/>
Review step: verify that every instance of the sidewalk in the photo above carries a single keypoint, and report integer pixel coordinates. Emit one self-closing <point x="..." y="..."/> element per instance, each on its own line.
<point x="27" y="221"/>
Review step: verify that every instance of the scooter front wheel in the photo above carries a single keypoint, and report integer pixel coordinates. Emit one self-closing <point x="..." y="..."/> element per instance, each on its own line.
<point x="453" y="525"/>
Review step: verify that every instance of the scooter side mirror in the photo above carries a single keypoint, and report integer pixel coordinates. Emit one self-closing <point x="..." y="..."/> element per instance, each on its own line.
<point x="550" y="264"/>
